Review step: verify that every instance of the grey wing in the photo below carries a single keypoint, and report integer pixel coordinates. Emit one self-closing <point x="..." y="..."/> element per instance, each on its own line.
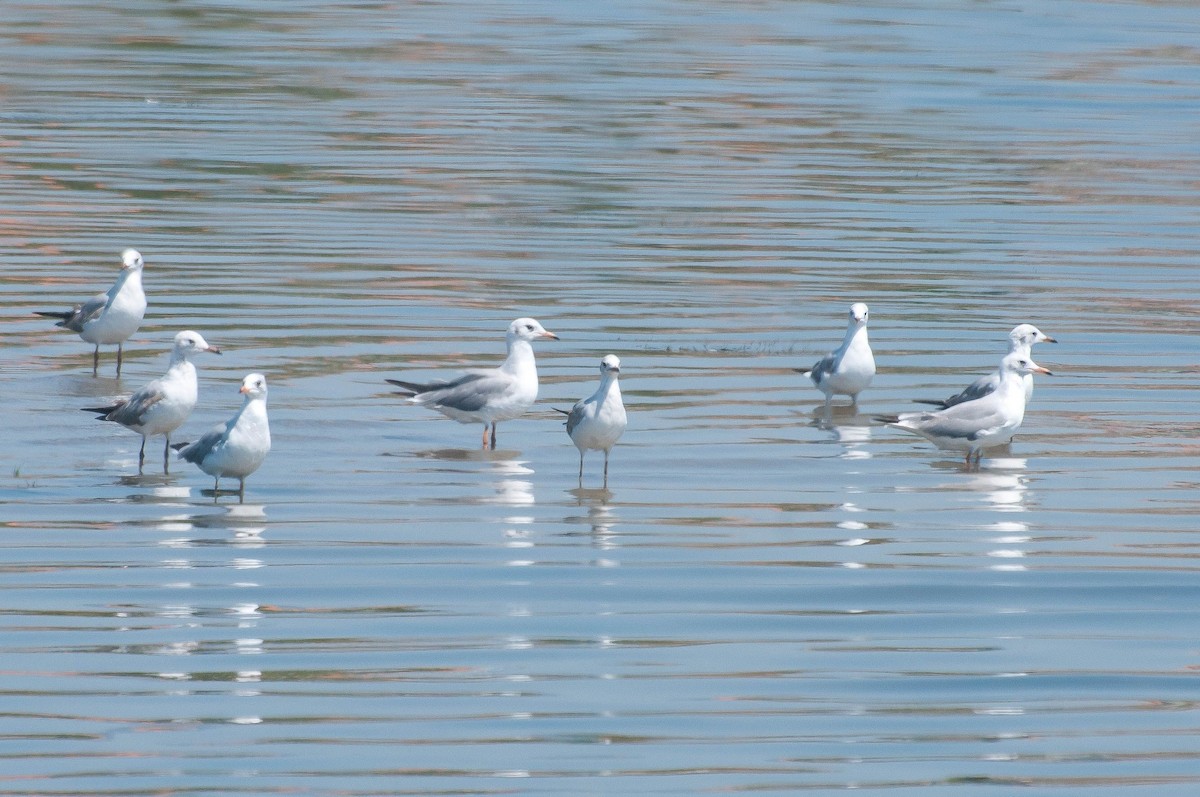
<point x="976" y="390"/>
<point x="197" y="451"/>
<point x="86" y="312"/>
<point x="963" y="421"/>
<point x="469" y="393"/>
<point x="823" y="368"/>
<point x="133" y="410"/>
<point x="575" y="416"/>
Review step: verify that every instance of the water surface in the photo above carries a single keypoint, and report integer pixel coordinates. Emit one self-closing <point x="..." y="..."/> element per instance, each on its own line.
<point x="761" y="600"/>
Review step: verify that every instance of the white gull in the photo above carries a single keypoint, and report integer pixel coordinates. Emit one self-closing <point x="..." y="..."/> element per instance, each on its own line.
<point x="488" y="395"/>
<point x="239" y="446"/>
<point x="163" y="405"/>
<point x="595" y="423"/>
<point x="110" y="317"/>
<point x="847" y="370"/>
<point x="981" y="423"/>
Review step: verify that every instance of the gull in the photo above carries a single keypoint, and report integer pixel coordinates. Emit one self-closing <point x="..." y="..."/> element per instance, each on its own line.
<point x="848" y="369"/>
<point x="596" y="422"/>
<point x="981" y="423"/>
<point x="488" y="395"/>
<point x="163" y="405"/>
<point x="111" y="317"/>
<point x="237" y="447"/>
<point x="1021" y="340"/>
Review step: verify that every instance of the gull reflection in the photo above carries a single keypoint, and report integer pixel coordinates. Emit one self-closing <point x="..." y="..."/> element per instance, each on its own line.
<point x="600" y="519"/>
<point x="850" y="429"/>
<point x="511" y="488"/>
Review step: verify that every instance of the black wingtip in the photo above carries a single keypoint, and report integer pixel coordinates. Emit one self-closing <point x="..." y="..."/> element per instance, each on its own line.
<point x="179" y="446"/>
<point x="564" y="412"/>
<point x="886" y="418"/>
<point x="102" y="412"/>
<point x="939" y="403"/>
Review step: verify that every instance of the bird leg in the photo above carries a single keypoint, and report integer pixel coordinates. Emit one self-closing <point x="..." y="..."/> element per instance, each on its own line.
<point x="141" y="456"/>
<point x="242" y="490"/>
<point x="96" y="360"/>
<point x="167" y="456"/>
<point x="119" y="354"/>
<point x="605" y="468"/>
<point x="485" y="431"/>
<point x="493" y="435"/>
<point x="581" y="466"/>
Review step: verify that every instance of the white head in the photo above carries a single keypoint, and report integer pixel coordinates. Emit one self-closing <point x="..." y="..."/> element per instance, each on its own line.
<point x="858" y="314"/>
<point x="1025" y="335"/>
<point x="131" y="260"/>
<point x="188" y="343"/>
<point x="610" y="365"/>
<point x="1019" y="362"/>
<point x="254" y="386"/>
<point x="528" y="329"/>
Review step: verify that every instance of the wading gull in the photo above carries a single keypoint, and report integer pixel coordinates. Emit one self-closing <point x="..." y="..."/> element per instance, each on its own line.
<point x="111" y="317"/>
<point x="595" y="423"/>
<point x="163" y="405"/>
<point x="982" y="423"/>
<point x="1021" y="341"/>
<point x="847" y="370"/>
<point x="237" y="447"/>
<point x="488" y="395"/>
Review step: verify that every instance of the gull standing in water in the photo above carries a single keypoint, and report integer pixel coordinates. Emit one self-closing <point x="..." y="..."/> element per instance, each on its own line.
<point x="847" y="370"/>
<point x="596" y="422"/>
<point x="1020" y="340"/>
<point x="978" y="424"/>
<point x="488" y="395"/>
<point x="237" y="447"/>
<point x="111" y="317"/>
<point x="163" y="405"/>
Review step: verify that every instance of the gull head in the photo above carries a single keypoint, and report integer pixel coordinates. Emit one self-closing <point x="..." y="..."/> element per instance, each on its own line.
<point x="254" y="386"/>
<point x="610" y="364"/>
<point x="528" y="329"/>
<point x="859" y="314"/>
<point x="1019" y="362"/>
<point x="188" y="343"/>
<point x="1025" y="335"/>
<point x="131" y="260"/>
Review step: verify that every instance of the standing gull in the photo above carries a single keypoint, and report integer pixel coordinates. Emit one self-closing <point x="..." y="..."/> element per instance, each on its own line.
<point x="1021" y="341"/>
<point x="237" y="447"/>
<point x="111" y="317"/>
<point x="488" y="395"/>
<point x="982" y="423"/>
<point x="163" y="405"/>
<point x="847" y="370"/>
<point x="596" y="422"/>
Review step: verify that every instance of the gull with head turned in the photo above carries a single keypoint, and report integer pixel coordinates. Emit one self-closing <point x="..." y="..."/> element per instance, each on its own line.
<point x="488" y="395"/>
<point x="972" y="426"/>
<point x="1020" y="340"/>
<point x="239" y="446"/>
<point x="110" y="317"/>
<point x="163" y="405"/>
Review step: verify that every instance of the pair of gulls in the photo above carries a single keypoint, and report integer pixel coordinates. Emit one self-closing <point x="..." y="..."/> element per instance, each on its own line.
<point x="987" y="413"/>
<point x="492" y="395"/>
<point x="235" y="448"/>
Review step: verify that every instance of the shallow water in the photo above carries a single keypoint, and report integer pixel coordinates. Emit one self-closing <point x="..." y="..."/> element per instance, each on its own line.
<point x="761" y="600"/>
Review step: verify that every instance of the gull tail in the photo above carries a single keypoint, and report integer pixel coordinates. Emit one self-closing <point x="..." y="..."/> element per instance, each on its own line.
<point x="410" y="388"/>
<point x="63" y="316"/>
<point x="886" y="418"/>
<point x="104" y="412"/>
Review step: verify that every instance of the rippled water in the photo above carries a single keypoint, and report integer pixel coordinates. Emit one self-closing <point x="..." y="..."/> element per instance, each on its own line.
<point x="760" y="601"/>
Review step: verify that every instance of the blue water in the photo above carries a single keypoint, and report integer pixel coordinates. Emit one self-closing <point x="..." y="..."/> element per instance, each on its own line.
<point x="761" y="600"/>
